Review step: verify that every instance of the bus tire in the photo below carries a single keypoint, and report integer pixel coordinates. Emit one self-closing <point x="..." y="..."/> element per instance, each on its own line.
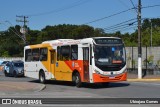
<point x="77" y="80"/>
<point x="42" y="78"/>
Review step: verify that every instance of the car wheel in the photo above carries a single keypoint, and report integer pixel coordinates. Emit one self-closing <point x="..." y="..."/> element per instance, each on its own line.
<point x="15" y="74"/>
<point x="5" y="73"/>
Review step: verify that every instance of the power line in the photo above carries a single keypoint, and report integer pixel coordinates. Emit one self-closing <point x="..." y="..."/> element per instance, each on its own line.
<point x="13" y="31"/>
<point x="109" y="16"/>
<point x="12" y="26"/>
<point x="119" y="13"/>
<point x="123" y="3"/>
<point x="151" y="6"/>
<point x="134" y="6"/>
<point x="75" y="4"/>
<point x="119" y="24"/>
<point x="122" y="28"/>
<point x="122" y="25"/>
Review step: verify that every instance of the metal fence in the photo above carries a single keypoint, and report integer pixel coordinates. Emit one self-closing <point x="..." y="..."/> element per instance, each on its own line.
<point x="150" y="60"/>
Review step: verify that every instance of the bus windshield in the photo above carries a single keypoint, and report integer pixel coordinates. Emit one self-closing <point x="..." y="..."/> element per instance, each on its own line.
<point x="109" y="57"/>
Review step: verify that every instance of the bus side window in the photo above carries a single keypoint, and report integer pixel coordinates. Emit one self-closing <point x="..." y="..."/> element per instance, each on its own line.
<point x="74" y="52"/>
<point x="65" y="52"/>
<point x="58" y="53"/>
<point x="28" y="55"/>
<point x="35" y="54"/>
<point x="43" y="54"/>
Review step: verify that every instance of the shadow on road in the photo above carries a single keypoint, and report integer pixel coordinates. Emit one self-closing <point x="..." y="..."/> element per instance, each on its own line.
<point x="110" y="85"/>
<point x="85" y="85"/>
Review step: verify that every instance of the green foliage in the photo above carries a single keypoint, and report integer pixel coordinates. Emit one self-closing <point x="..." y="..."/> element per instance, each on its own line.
<point x="5" y="54"/>
<point x="150" y="59"/>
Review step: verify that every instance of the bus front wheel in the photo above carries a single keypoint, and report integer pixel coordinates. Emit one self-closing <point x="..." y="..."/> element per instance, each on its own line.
<point x="77" y="80"/>
<point x="42" y="78"/>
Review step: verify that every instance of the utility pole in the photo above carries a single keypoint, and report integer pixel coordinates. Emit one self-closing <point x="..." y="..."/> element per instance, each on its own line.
<point x="23" y="30"/>
<point x="139" y="42"/>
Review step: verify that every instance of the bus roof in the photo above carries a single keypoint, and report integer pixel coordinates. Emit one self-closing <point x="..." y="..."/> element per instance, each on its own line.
<point x="72" y="40"/>
<point x="60" y="42"/>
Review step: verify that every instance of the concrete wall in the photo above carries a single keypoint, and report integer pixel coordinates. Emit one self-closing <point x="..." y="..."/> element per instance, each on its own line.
<point x="147" y="53"/>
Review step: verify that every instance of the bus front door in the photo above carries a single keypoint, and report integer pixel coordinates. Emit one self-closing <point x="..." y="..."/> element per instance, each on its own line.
<point x="86" y="64"/>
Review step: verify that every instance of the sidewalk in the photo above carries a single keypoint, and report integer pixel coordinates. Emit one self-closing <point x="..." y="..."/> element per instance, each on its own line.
<point x="7" y="86"/>
<point x="11" y="87"/>
<point x="134" y="77"/>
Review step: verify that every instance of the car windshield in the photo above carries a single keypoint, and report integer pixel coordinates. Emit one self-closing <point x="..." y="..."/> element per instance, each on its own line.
<point x="4" y="62"/>
<point x="18" y="64"/>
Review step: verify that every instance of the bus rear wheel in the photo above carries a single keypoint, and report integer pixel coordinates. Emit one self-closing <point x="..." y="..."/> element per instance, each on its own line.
<point x="77" y="80"/>
<point x="42" y="78"/>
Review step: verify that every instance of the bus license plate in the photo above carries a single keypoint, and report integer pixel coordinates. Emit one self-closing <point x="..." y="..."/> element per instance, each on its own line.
<point x="111" y="77"/>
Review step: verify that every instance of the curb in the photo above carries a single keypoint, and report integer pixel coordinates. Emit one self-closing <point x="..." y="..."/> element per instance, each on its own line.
<point x="37" y="87"/>
<point x="142" y="80"/>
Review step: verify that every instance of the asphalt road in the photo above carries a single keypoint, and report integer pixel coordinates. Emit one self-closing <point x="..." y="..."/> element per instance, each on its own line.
<point x="67" y="90"/>
<point x="114" y="90"/>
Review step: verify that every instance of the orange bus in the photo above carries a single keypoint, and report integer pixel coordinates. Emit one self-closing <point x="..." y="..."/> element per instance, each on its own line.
<point x="90" y="60"/>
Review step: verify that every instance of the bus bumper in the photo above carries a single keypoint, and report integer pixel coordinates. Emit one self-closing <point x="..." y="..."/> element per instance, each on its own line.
<point x="97" y="78"/>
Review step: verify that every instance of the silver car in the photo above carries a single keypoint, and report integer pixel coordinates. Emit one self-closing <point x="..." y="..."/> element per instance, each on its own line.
<point x="14" y="68"/>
